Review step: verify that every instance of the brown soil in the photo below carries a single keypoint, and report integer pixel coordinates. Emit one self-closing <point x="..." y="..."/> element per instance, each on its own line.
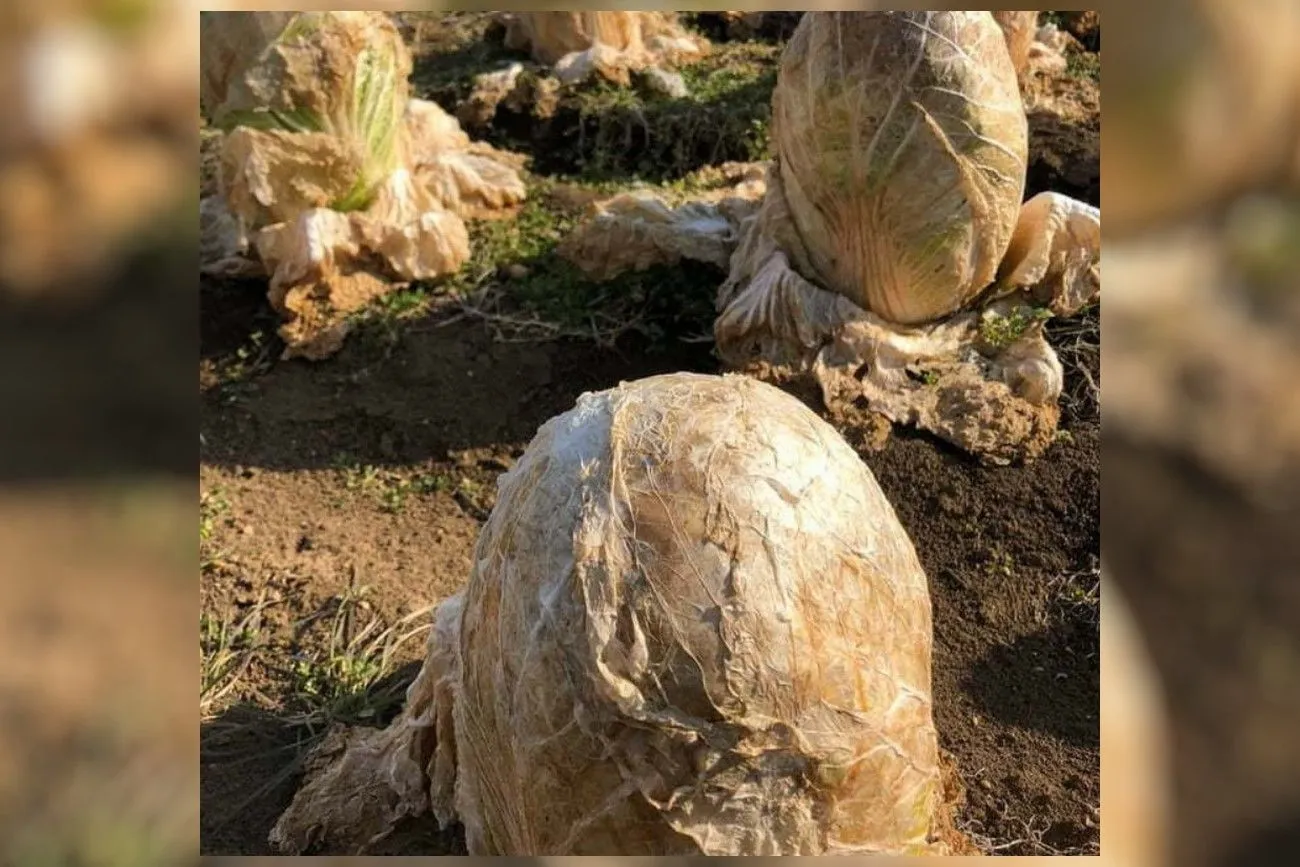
<point x="1065" y="134"/>
<point x="1015" y="678"/>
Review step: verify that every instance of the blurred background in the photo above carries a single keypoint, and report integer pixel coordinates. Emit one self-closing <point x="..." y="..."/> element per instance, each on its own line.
<point x="98" y="322"/>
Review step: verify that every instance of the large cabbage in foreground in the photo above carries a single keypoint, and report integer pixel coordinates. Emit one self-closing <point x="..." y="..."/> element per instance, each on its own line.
<point x="694" y="625"/>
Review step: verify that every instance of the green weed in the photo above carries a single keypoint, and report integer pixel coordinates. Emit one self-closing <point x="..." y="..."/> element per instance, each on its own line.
<point x="1083" y="64"/>
<point x="390" y="489"/>
<point x="342" y="681"/>
<point x="551" y="298"/>
<point x="999" y="331"/>
<point x="212" y="505"/>
<point x="1000" y="562"/>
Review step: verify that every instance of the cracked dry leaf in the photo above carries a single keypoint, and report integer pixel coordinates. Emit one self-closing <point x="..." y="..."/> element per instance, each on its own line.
<point x="694" y="625"/>
<point x="471" y="179"/>
<point x="636" y="230"/>
<point x="271" y="176"/>
<point x="361" y="782"/>
<point x="1053" y="253"/>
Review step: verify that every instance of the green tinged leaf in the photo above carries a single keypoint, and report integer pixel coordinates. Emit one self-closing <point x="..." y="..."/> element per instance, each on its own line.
<point x="267" y="119"/>
<point x="368" y="116"/>
<point x="376" y="121"/>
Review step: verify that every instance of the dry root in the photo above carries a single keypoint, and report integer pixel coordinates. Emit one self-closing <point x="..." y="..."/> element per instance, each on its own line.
<point x="1001" y="408"/>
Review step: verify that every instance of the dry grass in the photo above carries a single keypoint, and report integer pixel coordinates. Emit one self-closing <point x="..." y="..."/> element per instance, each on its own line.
<point x="227" y="650"/>
<point x="1078" y="344"/>
<point x="348" y="675"/>
<point x="1031" y="842"/>
<point x="343" y="677"/>
<point x="346" y="681"/>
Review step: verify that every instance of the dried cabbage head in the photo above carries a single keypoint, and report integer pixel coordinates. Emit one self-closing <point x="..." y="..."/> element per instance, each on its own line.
<point x="694" y="625"/>
<point x="902" y="145"/>
<point x="337" y="77"/>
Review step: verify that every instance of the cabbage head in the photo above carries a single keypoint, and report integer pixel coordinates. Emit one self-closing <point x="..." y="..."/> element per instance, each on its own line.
<point x="338" y="76"/>
<point x="694" y="625"/>
<point x="901" y="144"/>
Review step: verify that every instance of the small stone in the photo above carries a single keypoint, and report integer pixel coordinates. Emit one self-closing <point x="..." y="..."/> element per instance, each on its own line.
<point x="665" y="83"/>
<point x="515" y="271"/>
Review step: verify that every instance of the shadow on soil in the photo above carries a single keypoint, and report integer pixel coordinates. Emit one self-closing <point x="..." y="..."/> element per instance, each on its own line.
<point x="251" y="764"/>
<point x="1023" y="684"/>
<point x="452" y="52"/>
<point x="437" y="388"/>
<point x="602" y="134"/>
<point x="601" y="131"/>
